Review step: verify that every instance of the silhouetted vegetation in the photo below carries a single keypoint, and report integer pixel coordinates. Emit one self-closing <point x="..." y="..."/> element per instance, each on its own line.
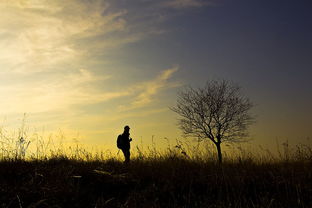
<point x="183" y="175"/>
<point x="217" y="112"/>
<point x="171" y="179"/>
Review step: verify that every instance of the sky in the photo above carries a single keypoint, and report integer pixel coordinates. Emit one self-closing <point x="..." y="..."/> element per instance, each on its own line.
<point x="87" y="68"/>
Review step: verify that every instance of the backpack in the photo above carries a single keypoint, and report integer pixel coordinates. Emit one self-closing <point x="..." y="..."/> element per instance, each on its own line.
<point x="119" y="142"/>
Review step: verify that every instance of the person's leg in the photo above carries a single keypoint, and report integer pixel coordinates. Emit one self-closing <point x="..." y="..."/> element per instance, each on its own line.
<point x="126" y="153"/>
<point x="128" y="156"/>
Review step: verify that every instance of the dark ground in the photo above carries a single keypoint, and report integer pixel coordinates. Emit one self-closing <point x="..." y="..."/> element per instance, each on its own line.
<point x="166" y="182"/>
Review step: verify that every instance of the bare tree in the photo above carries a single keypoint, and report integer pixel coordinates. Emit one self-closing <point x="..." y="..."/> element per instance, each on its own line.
<point x="218" y="112"/>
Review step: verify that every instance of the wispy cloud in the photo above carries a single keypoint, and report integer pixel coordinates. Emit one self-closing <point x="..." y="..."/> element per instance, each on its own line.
<point x="44" y="35"/>
<point x="182" y="4"/>
<point x="78" y="88"/>
<point x="54" y="94"/>
<point x="60" y="58"/>
<point x="45" y="48"/>
<point x="146" y="92"/>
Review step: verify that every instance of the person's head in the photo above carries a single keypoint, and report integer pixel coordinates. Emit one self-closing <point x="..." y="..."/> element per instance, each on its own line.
<point x="127" y="129"/>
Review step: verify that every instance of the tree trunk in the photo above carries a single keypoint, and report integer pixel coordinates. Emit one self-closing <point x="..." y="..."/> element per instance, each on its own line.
<point x="218" y="144"/>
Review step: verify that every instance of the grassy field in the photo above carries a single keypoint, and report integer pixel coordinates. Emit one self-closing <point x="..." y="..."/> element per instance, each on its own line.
<point x="182" y="176"/>
<point x="171" y="180"/>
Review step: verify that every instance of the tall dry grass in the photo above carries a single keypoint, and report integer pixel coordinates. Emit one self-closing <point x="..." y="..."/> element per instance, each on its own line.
<point x="184" y="174"/>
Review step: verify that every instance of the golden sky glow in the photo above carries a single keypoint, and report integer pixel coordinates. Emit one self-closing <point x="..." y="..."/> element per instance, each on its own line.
<point x="47" y="49"/>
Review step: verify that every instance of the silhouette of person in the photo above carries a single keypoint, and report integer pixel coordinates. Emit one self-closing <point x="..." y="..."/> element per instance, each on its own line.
<point x="123" y="143"/>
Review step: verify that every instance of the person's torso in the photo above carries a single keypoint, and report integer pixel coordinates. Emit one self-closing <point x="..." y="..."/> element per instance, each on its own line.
<point x="125" y="140"/>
